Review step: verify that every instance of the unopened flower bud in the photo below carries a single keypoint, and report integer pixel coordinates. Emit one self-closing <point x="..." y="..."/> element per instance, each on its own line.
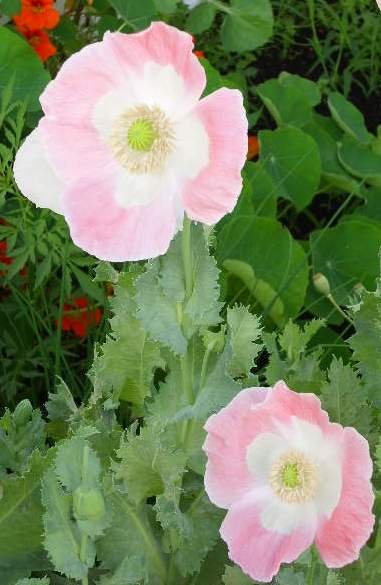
<point x="88" y="504"/>
<point x="22" y="413"/>
<point x="321" y="284"/>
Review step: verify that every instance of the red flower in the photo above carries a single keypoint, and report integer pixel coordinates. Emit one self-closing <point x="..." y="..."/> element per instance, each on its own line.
<point x="39" y="40"/>
<point x="4" y="259"/>
<point x="253" y="147"/>
<point x="199" y="54"/>
<point x="77" y="317"/>
<point x="37" y="15"/>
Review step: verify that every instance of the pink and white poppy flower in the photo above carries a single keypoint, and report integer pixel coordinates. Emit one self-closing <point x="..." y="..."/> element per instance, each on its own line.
<point x="126" y="145"/>
<point x="289" y="478"/>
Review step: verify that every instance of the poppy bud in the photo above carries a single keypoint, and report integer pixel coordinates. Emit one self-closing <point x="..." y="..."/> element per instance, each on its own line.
<point x="321" y="284"/>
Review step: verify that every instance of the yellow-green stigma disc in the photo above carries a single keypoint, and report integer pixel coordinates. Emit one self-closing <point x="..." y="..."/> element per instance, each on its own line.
<point x="290" y="475"/>
<point x="141" y="135"/>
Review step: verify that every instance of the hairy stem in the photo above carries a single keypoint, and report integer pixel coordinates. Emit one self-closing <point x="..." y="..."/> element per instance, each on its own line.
<point x="187" y="257"/>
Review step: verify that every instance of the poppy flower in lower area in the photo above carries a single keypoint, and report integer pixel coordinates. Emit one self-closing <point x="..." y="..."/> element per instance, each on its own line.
<point x="127" y="146"/>
<point x="40" y="42"/>
<point x="252" y="147"/>
<point x="78" y="317"/>
<point x="37" y="15"/>
<point x="289" y="478"/>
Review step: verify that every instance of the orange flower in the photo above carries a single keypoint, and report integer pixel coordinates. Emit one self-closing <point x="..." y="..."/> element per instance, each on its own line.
<point x="39" y="40"/>
<point x="199" y="54"/>
<point x="78" y="318"/>
<point x="36" y="15"/>
<point x="253" y="147"/>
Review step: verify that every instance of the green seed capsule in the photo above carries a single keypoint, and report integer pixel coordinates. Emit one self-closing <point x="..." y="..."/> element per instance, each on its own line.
<point x="88" y="504"/>
<point x="321" y="284"/>
<point x="23" y="412"/>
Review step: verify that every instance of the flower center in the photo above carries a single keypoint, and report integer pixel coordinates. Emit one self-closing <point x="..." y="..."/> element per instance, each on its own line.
<point x="293" y="477"/>
<point x="290" y="475"/>
<point x="141" y="139"/>
<point x="141" y="135"/>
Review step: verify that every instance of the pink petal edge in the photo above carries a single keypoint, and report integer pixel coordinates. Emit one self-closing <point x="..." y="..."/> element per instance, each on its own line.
<point x="109" y="232"/>
<point x="215" y="191"/>
<point x="340" y="539"/>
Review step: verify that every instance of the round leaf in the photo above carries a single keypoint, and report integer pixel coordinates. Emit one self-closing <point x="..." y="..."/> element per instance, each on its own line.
<point x="248" y="25"/>
<point x="287" y="105"/>
<point x="275" y="258"/>
<point x="292" y="159"/>
<point x="348" y="117"/>
<point x="347" y="254"/>
<point x="359" y="160"/>
<point x="20" y="66"/>
<point x="201" y="18"/>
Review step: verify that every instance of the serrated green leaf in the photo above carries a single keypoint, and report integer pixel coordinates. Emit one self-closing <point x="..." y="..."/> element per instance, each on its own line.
<point x="21" y="522"/>
<point x="157" y="312"/>
<point x="203" y="522"/>
<point x="216" y="391"/>
<point x="234" y="576"/>
<point x="344" y="398"/>
<point x="294" y="339"/>
<point x="129" y="572"/>
<point x="148" y="464"/>
<point x="69" y="464"/>
<point x="105" y="272"/>
<point x="124" y="365"/>
<point x="165" y="312"/>
<point x="289" y="576"/>
<point x="245" y="332"/>
<point x="131" y="537"/>
<point x="20" y="434"/>
<point x="62" y="536"/>
<point x="60" y="404"/>
<point x="202" y="308"/>
<point x="299" y="368"/>
<point x="366" y="344"/>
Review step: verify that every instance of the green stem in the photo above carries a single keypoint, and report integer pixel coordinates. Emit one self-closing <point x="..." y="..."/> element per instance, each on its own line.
<point x="311" y="572"/>
<point x="339" y="309"/>
<point x="187" y="257"/>
<point x="84" y="538"/>
<point x="60" y="312"/>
